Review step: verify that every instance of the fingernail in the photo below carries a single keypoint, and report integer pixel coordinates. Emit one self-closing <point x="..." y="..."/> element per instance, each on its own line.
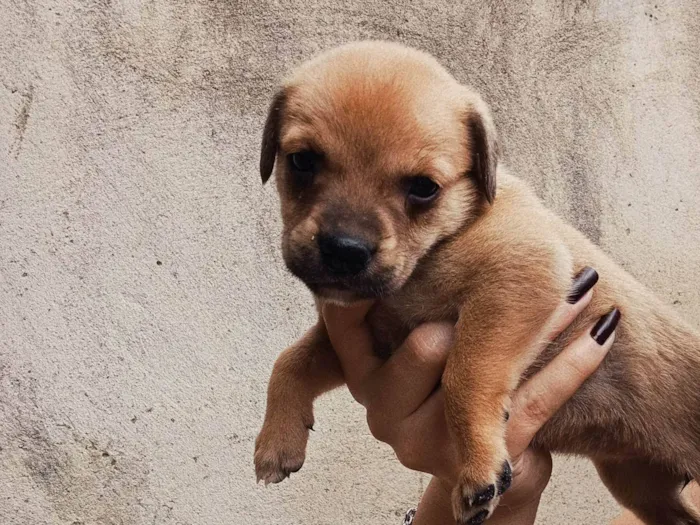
<point x="583" y="282"/>
<point x="605" y="326"/>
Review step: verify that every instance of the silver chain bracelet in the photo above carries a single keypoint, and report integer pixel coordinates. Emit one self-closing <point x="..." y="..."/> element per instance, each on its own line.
<point x="408" y="520"/>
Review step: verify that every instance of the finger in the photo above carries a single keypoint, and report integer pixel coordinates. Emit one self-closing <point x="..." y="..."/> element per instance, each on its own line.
<point x="582" y="283"/>
<point x="531" y="473"/>
<point x="412" y="373"/>
<point x="577" y="300"/>
<point x="565" y="314"/>
<point x="425" y="443"/>
<point x="691" y="493"/>
<point x="353" y="344"/>
<point x="539" y="398"/>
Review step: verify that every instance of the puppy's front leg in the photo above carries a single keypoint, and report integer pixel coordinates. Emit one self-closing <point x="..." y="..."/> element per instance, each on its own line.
<point x="491" y="350"/>
<point x="302" y="372"/>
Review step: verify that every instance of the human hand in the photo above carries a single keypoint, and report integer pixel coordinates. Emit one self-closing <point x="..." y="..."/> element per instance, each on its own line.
<point x="405" y="404"/>
<point x="533" y="405"/>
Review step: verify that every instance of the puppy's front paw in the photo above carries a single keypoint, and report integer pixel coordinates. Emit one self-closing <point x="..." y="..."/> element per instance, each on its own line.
<point x="474" y="501"/>
<point x="280" y="449"/>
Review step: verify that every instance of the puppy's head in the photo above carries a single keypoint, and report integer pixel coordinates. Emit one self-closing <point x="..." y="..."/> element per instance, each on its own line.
<point x="379" y="154"/>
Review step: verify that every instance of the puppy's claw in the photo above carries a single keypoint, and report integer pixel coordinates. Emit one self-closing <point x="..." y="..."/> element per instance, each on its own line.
<point x="276" y="472"/>
<point x="484" y="496"/>
<point x="475" y="501"/>
<point x="279" y="451"/>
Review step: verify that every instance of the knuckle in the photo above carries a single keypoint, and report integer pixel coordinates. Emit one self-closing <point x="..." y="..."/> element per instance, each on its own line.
<point x="535" y="407"/>
<point x="429" y="342"/>
<point x="562" y="318"/>
<point x="357" y="394"/>
<point x="408" y="454"/>
<point x="575" y="369"/>
<point x="378" y="426"/>
<point x="538" y="466"/>
<point x="566" y="316"/>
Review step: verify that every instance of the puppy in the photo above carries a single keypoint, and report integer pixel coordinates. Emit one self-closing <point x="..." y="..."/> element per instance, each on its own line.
<point x="386" y="169"/>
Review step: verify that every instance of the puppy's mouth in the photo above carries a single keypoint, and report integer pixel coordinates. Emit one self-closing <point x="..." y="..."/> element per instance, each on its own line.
<point x="345" y="293"/>
<point x="345" y="289"/>
<point x="342" y="268"/>
<point x="339" y="296"/>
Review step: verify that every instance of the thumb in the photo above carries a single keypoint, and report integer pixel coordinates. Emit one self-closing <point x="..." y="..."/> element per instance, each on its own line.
<point x="353" y="344"/>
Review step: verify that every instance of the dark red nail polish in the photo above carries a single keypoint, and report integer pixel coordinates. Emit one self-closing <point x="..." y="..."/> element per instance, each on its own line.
<point x="605" y="326"/>
<point x="583" y="282"/>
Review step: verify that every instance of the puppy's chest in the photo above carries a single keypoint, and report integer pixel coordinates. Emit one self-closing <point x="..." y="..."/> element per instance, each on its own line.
<point x="392" y="319"/>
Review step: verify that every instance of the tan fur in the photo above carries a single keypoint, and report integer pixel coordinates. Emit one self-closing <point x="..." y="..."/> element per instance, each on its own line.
<point x="498" y="267"/>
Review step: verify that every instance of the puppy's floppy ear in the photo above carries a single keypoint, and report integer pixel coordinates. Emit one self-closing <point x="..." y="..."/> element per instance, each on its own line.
<point x="483" y="146"/>
<point x="271" y="135"/>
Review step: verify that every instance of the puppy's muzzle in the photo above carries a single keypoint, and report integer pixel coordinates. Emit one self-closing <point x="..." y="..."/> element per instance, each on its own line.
<point x="345" y="255"/>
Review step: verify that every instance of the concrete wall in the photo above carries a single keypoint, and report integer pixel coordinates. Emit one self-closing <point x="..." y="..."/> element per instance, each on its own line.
<point x="142" y="295"/>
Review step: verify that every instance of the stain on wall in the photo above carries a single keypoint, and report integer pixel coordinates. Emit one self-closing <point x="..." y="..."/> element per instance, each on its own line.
<point x="22" y="120"/>
<point x="86" y="479"/>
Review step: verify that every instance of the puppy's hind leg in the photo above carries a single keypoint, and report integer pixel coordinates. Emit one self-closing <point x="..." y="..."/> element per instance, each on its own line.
<point x="302" y="372"/>
<point x="651" y="492"/>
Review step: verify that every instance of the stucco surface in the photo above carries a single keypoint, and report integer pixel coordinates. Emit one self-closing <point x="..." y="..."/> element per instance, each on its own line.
<point x="143" y="299"/>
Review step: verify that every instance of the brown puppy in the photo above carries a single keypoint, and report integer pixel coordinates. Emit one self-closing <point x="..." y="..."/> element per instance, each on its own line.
<point x="386" y="168"/>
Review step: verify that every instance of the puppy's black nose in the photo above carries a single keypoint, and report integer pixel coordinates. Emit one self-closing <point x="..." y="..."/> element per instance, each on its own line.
<point x="344" y="255"/>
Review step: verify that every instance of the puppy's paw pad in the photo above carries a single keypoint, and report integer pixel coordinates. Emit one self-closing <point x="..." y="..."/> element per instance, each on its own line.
<point x="279" y="454"/>
<point x="474" y="501"/>
<point x="505" y="479"/>
<point x="479" y="518"/>
<point x="474" y="505"/>
<point x="276" y="470"/>
<point x="483" y="497"/>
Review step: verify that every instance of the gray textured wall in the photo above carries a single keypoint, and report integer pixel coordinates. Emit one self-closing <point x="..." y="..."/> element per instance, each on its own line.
<point x="142" y="295"/>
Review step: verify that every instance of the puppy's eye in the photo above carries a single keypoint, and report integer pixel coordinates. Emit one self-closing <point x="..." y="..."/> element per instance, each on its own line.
<point x="303" y="165"/>
<point x="422" y="190"/>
